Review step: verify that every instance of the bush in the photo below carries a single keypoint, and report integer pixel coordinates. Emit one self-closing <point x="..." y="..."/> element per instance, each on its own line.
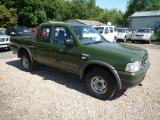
<point x="158" y="37"/>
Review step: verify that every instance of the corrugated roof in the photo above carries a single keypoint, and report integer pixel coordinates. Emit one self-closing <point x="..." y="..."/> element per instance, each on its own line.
<point x="146" y="13"/>
<point x="87" y="22"/>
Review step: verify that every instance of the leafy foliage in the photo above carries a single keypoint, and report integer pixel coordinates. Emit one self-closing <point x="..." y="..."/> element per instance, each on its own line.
<point x="33" y="12"/>
<point x="7" y="16"/>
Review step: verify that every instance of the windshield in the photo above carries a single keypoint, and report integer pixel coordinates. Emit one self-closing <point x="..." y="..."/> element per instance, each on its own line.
<point x="87" y="35"/>
<point x="99" y="29"/>
<point x="121" y="30"/>
<point x="2" y="33"/>
<point x="144" y="30"/>
<point x="22" y="30"/>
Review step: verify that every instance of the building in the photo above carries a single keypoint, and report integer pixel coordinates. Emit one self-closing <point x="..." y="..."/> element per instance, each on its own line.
<point x="149" y="19"/>
<point x="86" y="22"/>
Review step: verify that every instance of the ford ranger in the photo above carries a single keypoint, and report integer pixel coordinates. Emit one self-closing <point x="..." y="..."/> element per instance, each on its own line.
<point x="105" y="67"/>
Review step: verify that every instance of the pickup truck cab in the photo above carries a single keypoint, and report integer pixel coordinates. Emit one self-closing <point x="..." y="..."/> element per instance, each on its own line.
<point x="104" y="66"/>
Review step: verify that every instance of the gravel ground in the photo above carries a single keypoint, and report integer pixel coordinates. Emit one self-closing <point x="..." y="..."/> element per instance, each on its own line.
<point x="4" y="54"/>
<point x="52" y="94"/>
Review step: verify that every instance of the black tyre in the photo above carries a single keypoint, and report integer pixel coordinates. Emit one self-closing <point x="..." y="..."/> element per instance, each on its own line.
<point x="149" y="42"/>
<point x="26" y="62"/>
<point x="9" y="49"/>
<point x="125" y="39"/>
<point x="115" y="39"/>
<point x="100" y="83"/>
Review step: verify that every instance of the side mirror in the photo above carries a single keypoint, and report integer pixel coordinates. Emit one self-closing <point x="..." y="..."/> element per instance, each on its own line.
<point x="69" y="43"/>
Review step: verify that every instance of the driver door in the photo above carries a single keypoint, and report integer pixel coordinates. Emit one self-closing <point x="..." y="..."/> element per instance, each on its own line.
<point x="67" y="58"/>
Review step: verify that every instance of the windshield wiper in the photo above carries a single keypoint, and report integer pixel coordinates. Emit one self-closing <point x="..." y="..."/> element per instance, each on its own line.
<point x="93" y="42"/>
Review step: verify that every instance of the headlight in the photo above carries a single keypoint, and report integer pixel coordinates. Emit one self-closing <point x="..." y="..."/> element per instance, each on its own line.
<point x="133" y="67"/>
<point x="147" y="36"/>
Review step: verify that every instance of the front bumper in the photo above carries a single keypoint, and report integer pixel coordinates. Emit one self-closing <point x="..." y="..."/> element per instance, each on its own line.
<point x="4" y="45"/>
<point x="133" y="79"/>
<point x="121" y="37"/>
<point x="141" y="38"/>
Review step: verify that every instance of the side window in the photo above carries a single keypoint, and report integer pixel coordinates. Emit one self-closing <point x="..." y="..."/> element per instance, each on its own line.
<point x="106" y="30"/>
<point x="115" y="29"/>
<point x="45" y="34"/>
<point x="60" y="35"/>
<point x="111" y="29"/>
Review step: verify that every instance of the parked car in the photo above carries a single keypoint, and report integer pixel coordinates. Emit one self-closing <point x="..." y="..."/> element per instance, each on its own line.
<point x="18" y="31"/>
<point x="108" y="32"/>
<point x="145" y="34"/>
<point x="34" y="30"/>
<point x="3" y="30"/>
<point x="4" y="40"/>
<point x="105" y="67"/>
<point x="124" y="34"/>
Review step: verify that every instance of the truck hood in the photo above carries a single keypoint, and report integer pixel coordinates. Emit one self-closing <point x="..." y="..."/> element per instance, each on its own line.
<point x="119" y="51"/>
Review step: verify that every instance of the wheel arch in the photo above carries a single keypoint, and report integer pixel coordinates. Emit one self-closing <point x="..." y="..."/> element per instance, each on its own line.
<point x="23" y="49"/>
<point x="92" y="64"/>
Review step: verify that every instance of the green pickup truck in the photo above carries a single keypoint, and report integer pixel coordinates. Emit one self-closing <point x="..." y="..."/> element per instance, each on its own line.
<point x="105" y="67"/>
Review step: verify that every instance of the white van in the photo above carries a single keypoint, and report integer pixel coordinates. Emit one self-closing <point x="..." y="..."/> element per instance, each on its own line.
<point x="108" y="32"/>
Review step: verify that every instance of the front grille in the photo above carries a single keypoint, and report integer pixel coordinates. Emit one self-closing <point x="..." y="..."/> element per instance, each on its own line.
<point x="2" y="39"/>
<point x="139" y="35"/>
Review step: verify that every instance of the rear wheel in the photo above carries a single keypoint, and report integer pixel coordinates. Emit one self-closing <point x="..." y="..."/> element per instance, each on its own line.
<point x="100" y="83"/>
<point x="26" y="62"/>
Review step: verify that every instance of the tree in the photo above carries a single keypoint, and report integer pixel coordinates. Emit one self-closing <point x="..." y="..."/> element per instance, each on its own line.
<point x="7" y="16"/>
<point x="113" y="15"/>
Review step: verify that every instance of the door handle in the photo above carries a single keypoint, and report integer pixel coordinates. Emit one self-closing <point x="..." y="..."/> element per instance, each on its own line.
<point x="31" y="46"/>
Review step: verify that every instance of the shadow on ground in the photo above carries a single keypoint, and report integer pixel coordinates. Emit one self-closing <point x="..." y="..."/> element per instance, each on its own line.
<point x="3" y="50"/>
<point x="61" y="77"/>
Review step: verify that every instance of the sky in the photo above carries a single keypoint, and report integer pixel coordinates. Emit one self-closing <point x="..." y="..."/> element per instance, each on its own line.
<point x="109" y="4"/>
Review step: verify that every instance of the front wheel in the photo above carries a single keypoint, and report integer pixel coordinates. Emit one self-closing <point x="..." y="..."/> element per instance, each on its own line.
<point x="26" y="62"/>
<point x="149" y="42"/>
<point x="115" y="39"/>
<point x="125" y="39"/>
<point x="100" y="84"/>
